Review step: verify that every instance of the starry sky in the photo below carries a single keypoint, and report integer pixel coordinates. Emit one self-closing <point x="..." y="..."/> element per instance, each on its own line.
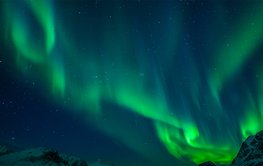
<point x="132" y="82"/>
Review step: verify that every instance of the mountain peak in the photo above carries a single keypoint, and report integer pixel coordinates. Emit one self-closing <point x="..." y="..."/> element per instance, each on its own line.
<point x="250" y="153"/>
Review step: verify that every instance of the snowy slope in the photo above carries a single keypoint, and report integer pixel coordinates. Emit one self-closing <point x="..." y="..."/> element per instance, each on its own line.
<point x="39" y="157"/>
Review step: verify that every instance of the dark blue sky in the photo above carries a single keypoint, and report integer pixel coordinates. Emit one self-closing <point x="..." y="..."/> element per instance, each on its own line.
<point x="132" y="82"/>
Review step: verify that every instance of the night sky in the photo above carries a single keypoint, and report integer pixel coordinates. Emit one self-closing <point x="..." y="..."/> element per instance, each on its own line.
<point x="132" y="82"/>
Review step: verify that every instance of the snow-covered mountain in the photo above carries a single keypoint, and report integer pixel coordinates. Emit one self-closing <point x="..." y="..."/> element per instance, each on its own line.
<point x="40" y="157"/>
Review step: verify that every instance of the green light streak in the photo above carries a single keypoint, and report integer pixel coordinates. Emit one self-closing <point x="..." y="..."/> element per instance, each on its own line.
<point x="58" y="80"/>
<point x="233" y="55"/>
<point x="250" y="125"/>
<point x="143" y="105"/>
<point x="90" y="98"/>
<point x="252" y="121"/>
<point x="190" y="145"/>
<point x="23" y="44"/>
<point x="29" y="49"/>
<point x="43" y="12"/>
<point x="127" y="88"/>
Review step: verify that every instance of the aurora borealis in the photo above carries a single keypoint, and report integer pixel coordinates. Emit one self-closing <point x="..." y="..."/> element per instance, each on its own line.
<point x="190" y="71"/>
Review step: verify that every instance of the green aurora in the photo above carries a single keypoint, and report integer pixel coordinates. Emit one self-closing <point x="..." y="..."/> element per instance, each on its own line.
<point x="109" y="62"/>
